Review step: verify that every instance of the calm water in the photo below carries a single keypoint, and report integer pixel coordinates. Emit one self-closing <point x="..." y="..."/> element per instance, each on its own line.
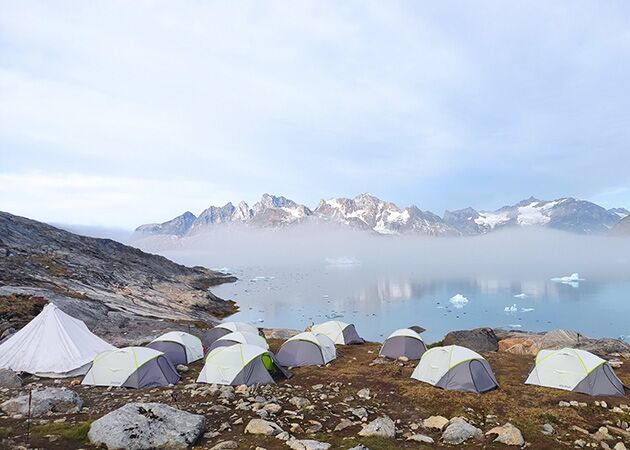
<point x="379" y="302"/>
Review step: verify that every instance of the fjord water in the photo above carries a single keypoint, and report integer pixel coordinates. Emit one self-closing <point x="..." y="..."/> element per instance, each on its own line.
<point x="295" y="278"/>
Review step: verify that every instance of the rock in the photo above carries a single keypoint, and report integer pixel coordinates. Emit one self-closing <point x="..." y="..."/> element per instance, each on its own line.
<point x="9" y="379"/>
<point x="56" y="400"/>
<point x="272" y="408"/>
<point x="317" y="387"/>
<point x="307" y="444"/>
<point x="507" y="434"/>
<point x="563" y="404"/>
<point x="479" y="339"/>
<point x="364" y="394"/>
<point x="602" y="434"/>
<point x="619" y="446"/>
<point x="284" y="436"/>
<point x="421" y="438"/>
<point x="300" y="402"/>
<point x="460" y="431"/>
<point x="343" y="424"/>
<point x="225" y="445"/>
<point x="435" y="422"/>
<point x="548" y="429"/>
<point x="359" y="412"/>
<point x="147" y="425"/>
<point x="403" y="359"/>
<point x="383" y="427"/>
<point x="182" y="368"/>
<point x="359" y="447"/>
<point x="264" y="427"/>
<point x="518" y="346"/>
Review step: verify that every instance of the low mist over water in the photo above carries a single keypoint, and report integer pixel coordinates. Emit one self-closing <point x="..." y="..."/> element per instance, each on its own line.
<point x="294" y="277"/>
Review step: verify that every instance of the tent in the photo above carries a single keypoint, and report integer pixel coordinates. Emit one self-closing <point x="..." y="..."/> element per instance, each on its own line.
<point x="240" y="337"/>
<point x="53" y="345"/>
<point x="240" y="364"/>
<point x="340" y="332"/>
<point x="403" y="342"/>
<point x="225" y="328"/>
<point x="134" y="367"/>
<point x="575" y="370"/>
<point x="307" y="349"/>
<point x="179" y="347"/>
<point x="455" y="368"/>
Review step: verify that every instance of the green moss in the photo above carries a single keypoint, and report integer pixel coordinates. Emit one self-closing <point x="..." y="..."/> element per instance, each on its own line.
<point x="76" y="432"/>
<point x="5" y="432"/>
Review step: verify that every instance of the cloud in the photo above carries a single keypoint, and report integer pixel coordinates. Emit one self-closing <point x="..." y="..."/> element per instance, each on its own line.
<point x="419" y="102"/>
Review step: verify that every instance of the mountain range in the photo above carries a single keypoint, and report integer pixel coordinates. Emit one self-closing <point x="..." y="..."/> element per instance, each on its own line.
<point x="367" y="212"/>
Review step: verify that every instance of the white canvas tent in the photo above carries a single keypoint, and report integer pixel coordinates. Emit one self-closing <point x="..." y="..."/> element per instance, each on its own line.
<point x="53" y="345"/>
<point x="575" y="370"/>
<point x="179" y="347"/>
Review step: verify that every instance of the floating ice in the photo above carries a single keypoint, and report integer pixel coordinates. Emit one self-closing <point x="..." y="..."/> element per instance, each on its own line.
<point x="527" y="309"/>
<point x="261" y="278"/>
<point x="515" y="325"/>
<point x="343" y="261"/>
<point x="458" y="301"/>
<point x="520" y="295"/>
<point x="510" y="309"/>
<point x="569" y="279"/>
<point x="222" y="269"/>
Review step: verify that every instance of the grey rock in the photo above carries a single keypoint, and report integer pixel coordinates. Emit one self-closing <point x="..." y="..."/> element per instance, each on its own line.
<point x="548" y="429"/>
<point x="460" y="431"/>
<point x="225" y="445"/>
<point x="382" y="426"/>
<point x="343" y="424"/>
<point x="479" y="339"/>
<point x="421" y="438"/>
<point x="137" y="426"/>
<point x="307" y="444"/>
<point x="435" y="422"/>
<point x="9" y="379"/>
<point x="359" y="447"/>
<point x="299" y="402"/>
<point x="364" y="394"/>
<point x="359" y="412"/>
<point x="55" y="400"/>
<point x="264" y="427"/>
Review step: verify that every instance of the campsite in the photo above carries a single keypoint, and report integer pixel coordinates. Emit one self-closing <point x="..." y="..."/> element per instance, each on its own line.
<point x="340" y="397"/>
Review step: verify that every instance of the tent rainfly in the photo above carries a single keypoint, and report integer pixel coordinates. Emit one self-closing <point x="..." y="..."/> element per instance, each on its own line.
<point x="340" y="332"/>
<point x="575" y="370"/>
<point x="240" y="364"/>
<point x="240" y="337"/>
<point x="455" y="368"/>
<point x="225" y="328"/>
<point x="307" y="349"/>
<point x="133" y="367"/>
<point x="53" y="345"/>
<point x="404" y="342"/>
<point x="179" y="347"/>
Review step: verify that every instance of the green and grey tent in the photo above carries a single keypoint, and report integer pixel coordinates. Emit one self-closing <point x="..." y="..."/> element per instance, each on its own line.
<point x="455" y="368"/>
<point x="134" y="367"/>
<point x="575" y="370"/>
<point x="240" y="364"/>
<point x="404" y="342"/>
<point x="179" y="347"/>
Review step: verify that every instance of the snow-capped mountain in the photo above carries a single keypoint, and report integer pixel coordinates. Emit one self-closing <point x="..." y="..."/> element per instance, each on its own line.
<point x="369" y="213"/>
<point x="568" y="214"/>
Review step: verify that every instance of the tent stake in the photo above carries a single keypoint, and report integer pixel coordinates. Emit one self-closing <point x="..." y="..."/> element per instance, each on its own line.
<point x="28" y="420"/>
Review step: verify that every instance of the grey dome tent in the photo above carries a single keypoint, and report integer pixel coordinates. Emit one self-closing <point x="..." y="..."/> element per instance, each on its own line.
<point x="179" y="347"/>
<point x="240" y="364"/>
<point x="133" y="367"/>
<point x="455" y="368"/>
<point x="404" y="342"/>
<point x="340" y="332"/>
<point x="575" y="370"/>
<point x="225" y="328"/>
<point x="307" y="349"/>
<point x="239" y="337"/>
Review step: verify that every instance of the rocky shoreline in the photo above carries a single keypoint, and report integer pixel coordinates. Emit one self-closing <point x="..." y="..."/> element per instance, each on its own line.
<point x="356" y="402"/>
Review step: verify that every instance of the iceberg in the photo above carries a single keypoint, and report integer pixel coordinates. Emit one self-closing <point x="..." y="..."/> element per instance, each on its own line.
<point x="458" y="301"/>
<point x="527" y="309"/>
<point x="510" y="309"/>
<point x="520" y="295"/>
<point x="572" y="280"/>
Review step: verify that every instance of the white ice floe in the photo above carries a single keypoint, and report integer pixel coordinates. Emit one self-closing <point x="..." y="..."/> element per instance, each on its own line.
<point x="515" y="325"/>
<point x="261" y="278"/>
<point x="520" y="295"/>
<point x="527" y="309"/>
<point x="510" y="309"/>
<point x="222" y="269"/>
<point x="343" y="261"/>
<point x="458" y="301"/>
<point x="572" y="280"/>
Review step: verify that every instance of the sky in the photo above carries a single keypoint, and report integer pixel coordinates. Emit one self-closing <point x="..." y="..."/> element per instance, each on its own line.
<point x="116" y="113"/>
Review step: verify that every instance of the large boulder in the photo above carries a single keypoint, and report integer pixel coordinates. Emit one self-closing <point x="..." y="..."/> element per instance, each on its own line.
<point x="382" y="427"/>
<point x="9" y="379"/>
<point x="55" y="400"/>
<point x="479" y="339"/>
<point x="138" y="426"/>
<point x="507" y="434"/>
<point x="459" y="432"/>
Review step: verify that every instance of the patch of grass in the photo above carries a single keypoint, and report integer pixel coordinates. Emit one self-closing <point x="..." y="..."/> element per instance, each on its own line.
<point x="76" y="432"/>
<point x="5" y="432"/>
<point x="435" y="344"/>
